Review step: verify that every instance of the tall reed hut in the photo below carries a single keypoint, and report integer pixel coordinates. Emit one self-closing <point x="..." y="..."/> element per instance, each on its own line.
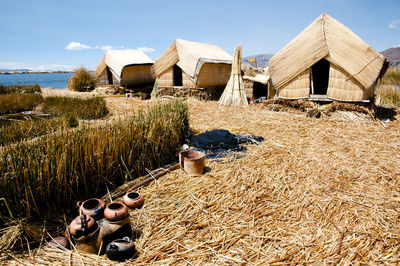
<point x="326" y="62"/>
<point x="192" y="65"/>
<point x="128" y="68"/>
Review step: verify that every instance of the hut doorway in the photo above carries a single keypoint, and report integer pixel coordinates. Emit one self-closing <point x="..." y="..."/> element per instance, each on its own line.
<point x="260" y="90"/>
<point x="320" y="77"/>
<point x="177" y="76"/>
<point x="109" y="76"/>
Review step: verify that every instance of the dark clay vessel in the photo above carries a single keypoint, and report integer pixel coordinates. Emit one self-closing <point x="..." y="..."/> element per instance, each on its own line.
<point x="120" y="249"/>
<point x="92" y="207"/>
<point x="133" y="200"/>
<point x="60" y="242"/>
<point x="116" y="211"/>
<point x="81" y="226"/>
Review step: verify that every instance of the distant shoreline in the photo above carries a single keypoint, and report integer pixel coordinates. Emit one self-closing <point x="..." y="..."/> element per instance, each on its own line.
<point x="34" y="72"/>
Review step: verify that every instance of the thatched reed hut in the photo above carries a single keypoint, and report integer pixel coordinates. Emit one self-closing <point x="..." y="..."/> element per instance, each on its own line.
<point x="326" y="61"/>
<point x="192" y="65"/>
<point x="128" y="68"/>
<point x="257" y="86"/>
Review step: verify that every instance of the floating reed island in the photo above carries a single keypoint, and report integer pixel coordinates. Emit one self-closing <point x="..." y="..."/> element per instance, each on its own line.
<point x="305" y="191"/>
<point x="314" y="191"/>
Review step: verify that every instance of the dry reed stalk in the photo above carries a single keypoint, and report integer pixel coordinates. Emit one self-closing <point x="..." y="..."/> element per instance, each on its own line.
<point x="282" y="202"/>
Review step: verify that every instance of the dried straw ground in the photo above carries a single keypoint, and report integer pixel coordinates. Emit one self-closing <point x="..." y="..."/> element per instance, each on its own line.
<point x="316" y="191"/>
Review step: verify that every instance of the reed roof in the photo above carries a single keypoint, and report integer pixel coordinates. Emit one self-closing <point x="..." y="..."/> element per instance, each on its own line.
<point x="116" y="60"/>
<point x="190" y="57"/>
<point x="327" y="38"/>
<point x="261" y="78"/>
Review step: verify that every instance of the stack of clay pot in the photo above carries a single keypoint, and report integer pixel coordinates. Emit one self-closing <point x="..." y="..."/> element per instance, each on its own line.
<point x="103" y="229"/>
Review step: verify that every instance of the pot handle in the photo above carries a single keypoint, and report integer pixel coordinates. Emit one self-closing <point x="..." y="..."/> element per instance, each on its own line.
<point x="126" y="238"/>
<point x="113" y="246"/>
<point x="181" y="159"/>
<point x="79" y="204"/>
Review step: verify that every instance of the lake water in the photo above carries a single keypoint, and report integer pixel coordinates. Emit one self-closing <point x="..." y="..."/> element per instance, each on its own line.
<point x="45" y="80"/>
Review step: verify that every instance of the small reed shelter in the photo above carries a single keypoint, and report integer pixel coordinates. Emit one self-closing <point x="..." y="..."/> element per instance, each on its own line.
<point x="191" y="65"/>
<point x="326" y="62"/>
<point x="257" y="87"/>
<point x="128" y="68"/>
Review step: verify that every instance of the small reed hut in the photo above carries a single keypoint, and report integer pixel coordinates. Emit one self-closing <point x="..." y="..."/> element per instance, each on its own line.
<point x="327" y="61"/>
<point x="192" y="65"/>
<point x="257" y="87"/>
<point x="128" y="68"/>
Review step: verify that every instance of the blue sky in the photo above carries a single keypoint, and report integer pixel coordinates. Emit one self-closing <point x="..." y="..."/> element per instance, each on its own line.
<point x="61" y="35"/>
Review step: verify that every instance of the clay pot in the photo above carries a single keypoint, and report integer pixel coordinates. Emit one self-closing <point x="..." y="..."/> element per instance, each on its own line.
<point x="192" y="162"/>
<point x="133" y="200"/>
<point x="120" y="249"/>
<point x="77" y="229"/>
<point x="116" y="211"/>
<point x="92" y="207"/>
<point x="90" y="243"/>
<point x="60" y="242"/>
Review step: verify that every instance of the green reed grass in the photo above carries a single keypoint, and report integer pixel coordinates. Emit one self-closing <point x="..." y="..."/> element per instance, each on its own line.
<point x="49" y="175"/>
<point x="18" y="102"/>
<point x="388" y="96"/>
<point x="14" y="131"/>
<point x="89" y="108"/>
<point x="82" y="80"/>
<point x="391" y="77"/>
<point x="35" y="88"/>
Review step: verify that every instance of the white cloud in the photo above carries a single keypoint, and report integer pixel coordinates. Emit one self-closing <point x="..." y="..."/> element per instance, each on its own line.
<point x="145" y="49"/>
<point x="10" y="65"/>
<point x="54" y="67"/>
<point x="81" y="46"/>
<point x="77" y="46"/>
<point x="47" y="67"/>
<point x="108" y="47"/>
<point x="394" y="24"/>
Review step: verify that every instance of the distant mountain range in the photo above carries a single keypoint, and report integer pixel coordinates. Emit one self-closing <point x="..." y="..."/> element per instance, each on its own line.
<point x="392" y="54"/>
<point x="15" y="70"/>
<point x="262" y="59"/>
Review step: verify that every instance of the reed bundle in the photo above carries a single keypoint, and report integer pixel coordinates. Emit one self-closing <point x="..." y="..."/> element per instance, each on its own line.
<point x="234" y="93"/>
